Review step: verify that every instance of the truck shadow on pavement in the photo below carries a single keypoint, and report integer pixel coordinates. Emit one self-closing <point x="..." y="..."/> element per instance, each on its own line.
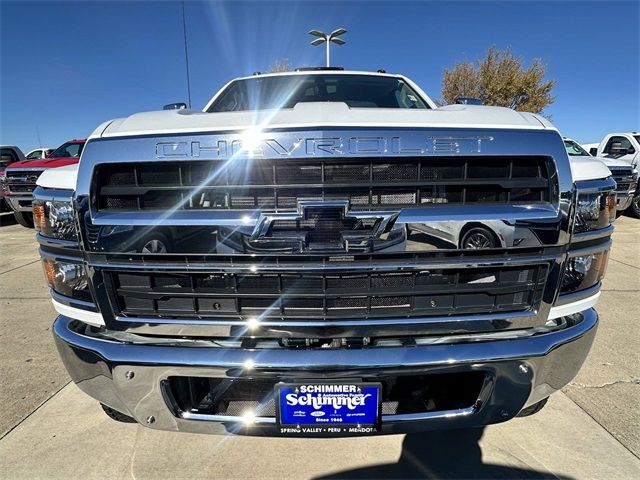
<point x="442" y="454"/>
<point x="7" y="218"/>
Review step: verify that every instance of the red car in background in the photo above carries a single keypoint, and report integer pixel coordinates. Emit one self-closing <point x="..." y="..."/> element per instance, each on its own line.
<point x="20" y="178"/>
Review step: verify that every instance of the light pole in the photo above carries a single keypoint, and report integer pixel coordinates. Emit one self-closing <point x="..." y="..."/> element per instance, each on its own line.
<point x="324" y="38"/>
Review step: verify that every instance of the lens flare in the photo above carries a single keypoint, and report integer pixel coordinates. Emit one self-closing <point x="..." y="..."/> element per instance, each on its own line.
<point x="248" y="364"/>
<point x="253" y="323"/>
<point x="248" y="417"/>
<point x="250" y="141"/>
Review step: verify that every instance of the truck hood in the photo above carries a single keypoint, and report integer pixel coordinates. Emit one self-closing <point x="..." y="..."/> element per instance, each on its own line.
<point x="611" y="162"/>
<point x="45" y="162"/>
<point x="588" y="168"/>
<point x="62" y="177"/>
<point x="320" y="114"/>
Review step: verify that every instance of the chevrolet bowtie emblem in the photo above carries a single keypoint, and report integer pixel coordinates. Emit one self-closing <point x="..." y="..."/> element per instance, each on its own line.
<point x="326" y="225"/>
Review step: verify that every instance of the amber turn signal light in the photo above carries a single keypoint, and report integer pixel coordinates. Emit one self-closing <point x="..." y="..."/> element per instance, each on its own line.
<point x="611" y="206"/>
<point x="39" y="216"/>
<point x="50" y="271"/>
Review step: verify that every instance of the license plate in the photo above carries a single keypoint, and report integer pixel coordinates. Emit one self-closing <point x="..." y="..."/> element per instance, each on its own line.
<point x="328" y="408"/>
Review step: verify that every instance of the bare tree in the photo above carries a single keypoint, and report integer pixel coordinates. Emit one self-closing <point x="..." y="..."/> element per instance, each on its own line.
<point x="500" y="79"/>
<point x="281" y="65"/>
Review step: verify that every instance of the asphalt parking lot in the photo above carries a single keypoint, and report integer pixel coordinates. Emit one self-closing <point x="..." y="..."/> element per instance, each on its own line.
<point x="49" y="429"/>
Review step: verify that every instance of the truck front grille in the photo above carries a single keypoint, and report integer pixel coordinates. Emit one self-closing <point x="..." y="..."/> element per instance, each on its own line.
<point x="367" y="183"/>
<point x="353" y="294"/>
<point x="623" y="177"/>
<point x="22" y="182"/>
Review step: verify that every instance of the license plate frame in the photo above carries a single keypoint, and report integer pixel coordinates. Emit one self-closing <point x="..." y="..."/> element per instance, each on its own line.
<point x="361" y="420"/>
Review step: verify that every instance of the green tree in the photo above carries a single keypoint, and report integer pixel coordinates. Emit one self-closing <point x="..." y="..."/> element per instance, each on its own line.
<point x="500" y="79"/>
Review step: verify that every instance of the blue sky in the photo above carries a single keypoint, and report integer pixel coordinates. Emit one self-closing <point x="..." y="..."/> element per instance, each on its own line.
<point x="66" y="67"/>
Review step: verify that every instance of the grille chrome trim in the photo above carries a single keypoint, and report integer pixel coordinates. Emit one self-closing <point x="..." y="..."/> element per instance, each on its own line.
<point x="249" y="265"/>
<point x="234" y="218"/>
<point x="389" y="327"/>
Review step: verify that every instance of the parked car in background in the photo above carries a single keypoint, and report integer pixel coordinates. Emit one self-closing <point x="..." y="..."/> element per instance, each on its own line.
<point x="37" y="153"/>
<point x="625" y="175"/>
<point x="9" y="154"/>
<point x="625" y="147"/>
<point x="20" y="178"/>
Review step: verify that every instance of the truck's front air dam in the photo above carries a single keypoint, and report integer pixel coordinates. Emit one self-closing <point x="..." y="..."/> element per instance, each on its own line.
<point x="134" y="378"/>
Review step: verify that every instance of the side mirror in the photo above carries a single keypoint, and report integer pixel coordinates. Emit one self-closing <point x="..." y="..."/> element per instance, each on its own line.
<point x="468" y="101"/>
<point x="175" y="106"/>
<point x="593" y="151"/>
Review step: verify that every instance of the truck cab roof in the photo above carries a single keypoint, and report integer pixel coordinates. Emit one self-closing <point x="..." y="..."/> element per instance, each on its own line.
<point x="327" y="72"/>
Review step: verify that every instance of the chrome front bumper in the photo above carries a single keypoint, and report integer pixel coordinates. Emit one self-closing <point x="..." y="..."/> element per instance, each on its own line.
<point x="624" y="200"/>
<point x="129" y="376"/>
<point x="20" y="203"/>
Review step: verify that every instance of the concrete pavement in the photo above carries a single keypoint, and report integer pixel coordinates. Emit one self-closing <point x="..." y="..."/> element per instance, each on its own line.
<point x="591" y="430"/>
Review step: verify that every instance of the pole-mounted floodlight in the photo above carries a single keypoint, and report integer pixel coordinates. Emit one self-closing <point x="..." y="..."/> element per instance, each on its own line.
<point x="327" y="39"/>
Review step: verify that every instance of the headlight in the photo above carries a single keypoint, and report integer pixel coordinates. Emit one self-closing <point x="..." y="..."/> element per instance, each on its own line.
<point x="55" y="219"/>
<point x="584" y="271"/>
<point x="66" y="278"/>
<point x="595" y="210"/>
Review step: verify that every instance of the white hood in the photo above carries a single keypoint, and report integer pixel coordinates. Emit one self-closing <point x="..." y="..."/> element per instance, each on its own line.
<point x="588" y="168"/>
<point x="63" y="178"/>
<point x="612" y="162"/>
<point x="321" y="114"/>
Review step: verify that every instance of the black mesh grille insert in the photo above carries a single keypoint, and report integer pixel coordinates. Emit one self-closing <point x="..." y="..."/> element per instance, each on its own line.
<point x="400" y="394"/>
<point x="318" y="295"/>
<point x="368" y="184"/>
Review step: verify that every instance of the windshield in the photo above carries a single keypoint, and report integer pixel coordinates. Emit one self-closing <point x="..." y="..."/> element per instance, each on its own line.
<point x="637" y="137"/>
<point x="359" y="91"/>
<point x="68" y="150"/>
<point x="575" y="150"/>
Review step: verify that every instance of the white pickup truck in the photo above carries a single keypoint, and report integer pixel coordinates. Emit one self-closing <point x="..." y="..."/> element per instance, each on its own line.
<point x="625" y="175"/>
<point x="624" y="147"/>
<point x="271" y="265"/>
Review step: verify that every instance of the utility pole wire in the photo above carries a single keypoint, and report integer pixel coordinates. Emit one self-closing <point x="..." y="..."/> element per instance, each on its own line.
<point x="186" y="53"/>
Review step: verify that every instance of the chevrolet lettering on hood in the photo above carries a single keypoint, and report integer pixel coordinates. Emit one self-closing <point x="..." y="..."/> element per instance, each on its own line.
<point x="263" y="147"/>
